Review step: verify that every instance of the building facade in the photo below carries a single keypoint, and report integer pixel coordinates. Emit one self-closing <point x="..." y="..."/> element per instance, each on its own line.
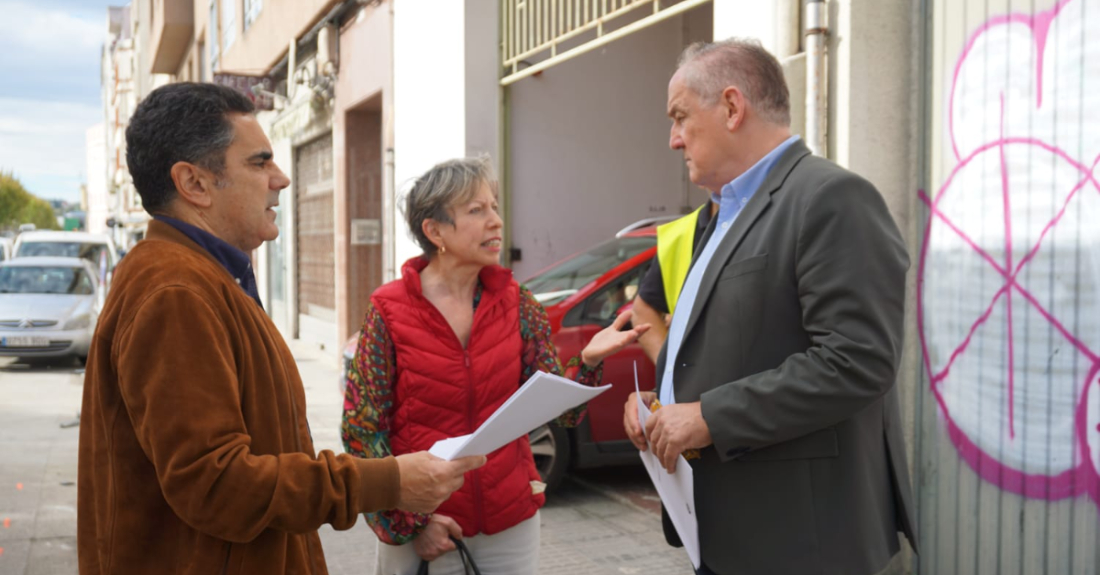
<point x="327" y="126"/>
<point x="126" y="219"/>
<point x="95" y="195"/>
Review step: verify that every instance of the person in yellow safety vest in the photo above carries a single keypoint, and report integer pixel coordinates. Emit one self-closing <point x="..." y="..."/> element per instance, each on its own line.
<point x="660" y="287"/>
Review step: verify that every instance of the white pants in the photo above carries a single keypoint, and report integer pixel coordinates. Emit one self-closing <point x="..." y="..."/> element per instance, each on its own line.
<point x="514" y="551"/>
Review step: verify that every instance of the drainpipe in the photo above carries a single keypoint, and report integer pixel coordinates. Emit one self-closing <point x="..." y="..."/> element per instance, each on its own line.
<point x="389" y="185"/>
<point x="817" y="80"/>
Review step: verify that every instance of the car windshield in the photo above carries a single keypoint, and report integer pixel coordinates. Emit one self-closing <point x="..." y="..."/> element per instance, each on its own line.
<point x="87" y="250"/>
<point x="48" y="280"/>
<point x="566" y="278"/>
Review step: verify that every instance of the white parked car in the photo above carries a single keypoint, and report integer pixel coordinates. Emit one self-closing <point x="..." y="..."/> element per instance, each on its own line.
<point x="5" y="249"/>
<point x="48" y="307"/>
<point x="99" y="249"/>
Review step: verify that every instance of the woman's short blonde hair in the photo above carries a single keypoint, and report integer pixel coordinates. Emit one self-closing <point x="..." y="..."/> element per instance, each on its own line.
<point x="438" y="190"/>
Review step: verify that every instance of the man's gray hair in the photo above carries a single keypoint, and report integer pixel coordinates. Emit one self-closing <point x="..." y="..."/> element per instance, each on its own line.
<point x="440" y="189"/>
<point x="710" y="67"/>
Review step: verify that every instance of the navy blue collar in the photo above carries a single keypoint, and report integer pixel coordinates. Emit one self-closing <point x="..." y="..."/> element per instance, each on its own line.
<point x="236" y="262"/>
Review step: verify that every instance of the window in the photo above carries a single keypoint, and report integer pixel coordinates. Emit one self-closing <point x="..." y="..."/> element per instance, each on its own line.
<point x="229" y="23"/>
<point x="87" y="250"/>
<point x="603" y="307"/>
<point x="47" y="280"/>
<point x="252" y="11"/>
<point x="212" y="34"/>
<point x="568" y="277"/>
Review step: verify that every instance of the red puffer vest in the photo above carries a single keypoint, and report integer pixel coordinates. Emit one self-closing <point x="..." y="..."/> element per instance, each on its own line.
<point x="442" y="390"/>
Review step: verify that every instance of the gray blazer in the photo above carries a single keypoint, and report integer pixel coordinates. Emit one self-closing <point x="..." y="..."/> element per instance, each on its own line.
<point x="793" y="347"/>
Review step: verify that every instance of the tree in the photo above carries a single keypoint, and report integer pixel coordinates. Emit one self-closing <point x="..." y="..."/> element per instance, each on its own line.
<point x="18" y="206"/>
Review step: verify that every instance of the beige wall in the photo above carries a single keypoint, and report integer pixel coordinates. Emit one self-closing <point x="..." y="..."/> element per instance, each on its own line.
<point x="260" y="47"/>
<point x="364" y="92"/>
<point x="188" y="70"/>
<point x="256" y="50"/>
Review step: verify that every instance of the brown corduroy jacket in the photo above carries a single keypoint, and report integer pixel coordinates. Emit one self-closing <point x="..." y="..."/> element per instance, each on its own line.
<point x="195" y="454"/>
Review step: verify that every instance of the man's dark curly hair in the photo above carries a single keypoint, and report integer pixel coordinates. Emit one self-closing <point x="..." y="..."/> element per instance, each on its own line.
<point x="184" y="122"/>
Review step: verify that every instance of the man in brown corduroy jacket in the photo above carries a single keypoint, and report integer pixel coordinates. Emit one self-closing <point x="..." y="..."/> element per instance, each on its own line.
<point x="195" y="454"/>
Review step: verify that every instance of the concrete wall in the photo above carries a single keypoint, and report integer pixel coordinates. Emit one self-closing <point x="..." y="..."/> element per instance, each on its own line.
<point x="874" y="127"/>
<point x="588" y="144"/>
<point x="483" y="95"/>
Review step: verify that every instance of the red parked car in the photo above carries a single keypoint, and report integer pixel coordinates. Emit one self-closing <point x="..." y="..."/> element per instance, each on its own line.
<point x="582" y="295"/>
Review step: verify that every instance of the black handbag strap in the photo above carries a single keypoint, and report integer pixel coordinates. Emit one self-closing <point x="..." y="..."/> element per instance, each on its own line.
<point x="463" y="552"/>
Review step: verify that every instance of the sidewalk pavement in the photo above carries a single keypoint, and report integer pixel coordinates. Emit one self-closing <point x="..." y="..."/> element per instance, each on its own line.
<point x="585" y="530"/>
<point x="38" y="470"/>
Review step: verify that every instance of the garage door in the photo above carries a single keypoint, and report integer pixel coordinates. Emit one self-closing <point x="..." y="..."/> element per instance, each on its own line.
<point x="316" y="257"/>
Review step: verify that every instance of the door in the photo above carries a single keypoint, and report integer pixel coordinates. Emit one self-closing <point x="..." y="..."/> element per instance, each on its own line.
<point x="316" y="257"/>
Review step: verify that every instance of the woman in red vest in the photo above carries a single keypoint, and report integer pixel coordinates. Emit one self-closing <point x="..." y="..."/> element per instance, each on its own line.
<point x="440" y="350"/>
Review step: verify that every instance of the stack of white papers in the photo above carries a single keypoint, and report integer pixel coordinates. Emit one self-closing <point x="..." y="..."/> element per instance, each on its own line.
<point x="677" y="490"/>
<point x="541" y="399"/>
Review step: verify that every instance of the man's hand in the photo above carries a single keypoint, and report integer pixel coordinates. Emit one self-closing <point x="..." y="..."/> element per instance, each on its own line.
<point x="435" y="539"/>
<point x="610" y="340"/>
<point x="427" y="481"/>
<point x="676" y="428"/>
<point x="630" y="418"/>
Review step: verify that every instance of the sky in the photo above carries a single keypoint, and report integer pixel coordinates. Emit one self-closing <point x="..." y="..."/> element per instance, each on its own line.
<point x="49" y="95"/>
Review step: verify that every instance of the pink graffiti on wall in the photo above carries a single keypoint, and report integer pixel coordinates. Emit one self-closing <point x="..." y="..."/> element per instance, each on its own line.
<point x="1008" y="293"/>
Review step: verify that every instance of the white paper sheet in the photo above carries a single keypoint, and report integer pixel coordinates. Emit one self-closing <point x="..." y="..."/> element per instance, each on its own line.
<point x="542" y="398"/>
<point x="677" y="490"/>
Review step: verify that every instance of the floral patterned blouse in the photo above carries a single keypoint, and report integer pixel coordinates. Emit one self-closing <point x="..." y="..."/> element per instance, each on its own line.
<point x="368" y="397"/>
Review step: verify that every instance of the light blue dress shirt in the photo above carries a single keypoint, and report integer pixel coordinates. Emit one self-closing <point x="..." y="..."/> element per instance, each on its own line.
<point x="731" y="200"/>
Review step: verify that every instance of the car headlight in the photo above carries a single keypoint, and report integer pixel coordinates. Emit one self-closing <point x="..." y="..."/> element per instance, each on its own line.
<point x="78" y="322"/>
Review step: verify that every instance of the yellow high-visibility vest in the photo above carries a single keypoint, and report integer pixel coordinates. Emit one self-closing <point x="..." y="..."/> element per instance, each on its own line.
<point x="674" y="246"/>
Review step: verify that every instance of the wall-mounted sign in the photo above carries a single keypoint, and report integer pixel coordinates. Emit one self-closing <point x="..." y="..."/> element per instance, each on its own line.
<point x="366" y="232"/>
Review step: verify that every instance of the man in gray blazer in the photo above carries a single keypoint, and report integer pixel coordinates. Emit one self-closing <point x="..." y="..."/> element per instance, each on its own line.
<point x="783" y="351"/>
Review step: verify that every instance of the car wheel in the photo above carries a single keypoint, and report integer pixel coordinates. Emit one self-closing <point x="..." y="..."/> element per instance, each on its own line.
<point x="550" y="447"/>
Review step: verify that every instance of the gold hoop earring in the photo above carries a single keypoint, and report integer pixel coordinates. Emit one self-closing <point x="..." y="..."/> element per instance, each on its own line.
<point x="442" y="249"/>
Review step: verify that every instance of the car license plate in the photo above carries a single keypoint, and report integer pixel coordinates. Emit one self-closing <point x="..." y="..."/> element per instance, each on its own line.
<point x="24" y="341"/>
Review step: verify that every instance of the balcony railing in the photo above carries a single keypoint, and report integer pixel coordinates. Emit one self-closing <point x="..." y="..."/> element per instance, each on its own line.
<point x="537" y="29"/>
